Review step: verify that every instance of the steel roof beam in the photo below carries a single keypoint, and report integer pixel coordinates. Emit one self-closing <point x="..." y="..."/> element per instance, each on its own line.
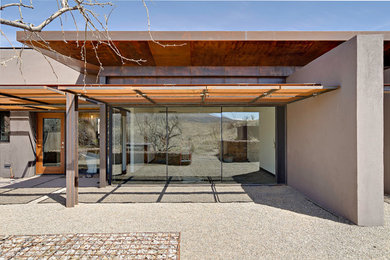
<point x="263" y="95"/>
<point x="25" y="99"/>
<point x="144" y="96"/>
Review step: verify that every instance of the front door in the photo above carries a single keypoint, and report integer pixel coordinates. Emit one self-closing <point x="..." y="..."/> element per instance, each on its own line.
<point x="50" y="143"/>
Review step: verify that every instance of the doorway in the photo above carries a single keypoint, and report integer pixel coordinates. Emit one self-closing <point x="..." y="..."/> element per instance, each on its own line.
<point x="50" y="146"/>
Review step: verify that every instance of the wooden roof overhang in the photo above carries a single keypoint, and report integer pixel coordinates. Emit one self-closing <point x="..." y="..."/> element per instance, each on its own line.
<point x="193" y="48"/>
<point x="52" y="97"/>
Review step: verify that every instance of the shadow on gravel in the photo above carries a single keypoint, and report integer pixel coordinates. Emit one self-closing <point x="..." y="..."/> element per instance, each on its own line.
<point x="47" y="189"/>
<point x="286" y="198"/>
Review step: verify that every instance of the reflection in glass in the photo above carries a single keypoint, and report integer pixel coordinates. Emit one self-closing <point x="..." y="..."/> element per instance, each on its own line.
<point x="117" y="142"/>
<point x="194" y="140"/>
<point x="248" y="144"/>
<point x="89" y="160"/>
<point x="51" y="142"/>
<point x="145" y="150"/>
<point x="194" y="144"/>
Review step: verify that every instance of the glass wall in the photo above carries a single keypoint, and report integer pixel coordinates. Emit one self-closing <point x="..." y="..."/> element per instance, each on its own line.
<point x="194" y="144"/>
<point x="117" y="142"/>
<point x="248" y="144"/>
<point x="89" y="160"/>
<point x="194" y="136"/>
<point x="139" y="144"/>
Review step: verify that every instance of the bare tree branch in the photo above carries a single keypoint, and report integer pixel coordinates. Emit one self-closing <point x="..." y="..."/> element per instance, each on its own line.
<point x="93" y="23"/>
<point x="15" y="4"/>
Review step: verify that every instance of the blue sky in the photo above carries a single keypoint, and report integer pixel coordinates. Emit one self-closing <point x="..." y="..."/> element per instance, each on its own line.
<point x="226" y="15"/>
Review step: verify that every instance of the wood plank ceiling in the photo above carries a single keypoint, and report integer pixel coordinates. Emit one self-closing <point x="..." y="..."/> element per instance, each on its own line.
<point x="198" y="53"/>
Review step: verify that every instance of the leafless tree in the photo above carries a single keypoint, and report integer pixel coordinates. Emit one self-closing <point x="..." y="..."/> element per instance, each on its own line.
<point x="93" y="22"/>
<point x="156" y="131"/>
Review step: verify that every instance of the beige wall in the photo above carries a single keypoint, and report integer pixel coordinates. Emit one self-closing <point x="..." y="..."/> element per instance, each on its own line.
<point x="35" y="69"/>
<point x="387" y="134"/>
<point x="334" y="144"/>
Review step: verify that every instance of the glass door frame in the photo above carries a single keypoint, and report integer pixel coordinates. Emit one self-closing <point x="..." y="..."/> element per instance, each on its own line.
<point x="280" y="139"/>
<point x="40" y="168"/>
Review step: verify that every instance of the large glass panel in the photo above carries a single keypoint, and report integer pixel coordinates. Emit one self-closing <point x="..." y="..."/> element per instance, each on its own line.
<point x="144" y="155"/>
<point x="117" y="143"/>
<point x="89" y="160"/>
<point x="51" y="142"/>
<point x="194" y="139"/>
<point x="248" y="144"/>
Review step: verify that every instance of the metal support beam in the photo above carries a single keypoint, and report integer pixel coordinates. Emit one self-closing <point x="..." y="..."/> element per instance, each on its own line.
<point x="281" y="175"/>
<point x="109" y="141"/>
<point x="203" y="95"/>
<point x="25" y="99"/>
<point x="72" y="171"/>
<point x="124" y="140"/>
<point x="103" y="146"/>
<point x="144" y="96"/>
<point x="263" y="95"/>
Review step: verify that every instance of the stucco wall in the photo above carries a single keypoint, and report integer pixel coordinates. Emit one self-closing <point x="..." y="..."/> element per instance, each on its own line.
<point x="37" y="70"/>
<point x="20" y="151"/>
<point x="387" y="134"/>
<point x="334" y="144"/>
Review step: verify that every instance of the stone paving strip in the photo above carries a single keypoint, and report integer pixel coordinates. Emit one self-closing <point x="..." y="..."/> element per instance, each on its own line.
<point x="139" y="245"/>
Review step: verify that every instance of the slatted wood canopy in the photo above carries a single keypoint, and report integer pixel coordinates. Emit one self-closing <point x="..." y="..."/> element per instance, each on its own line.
<point x="52" y="97"/>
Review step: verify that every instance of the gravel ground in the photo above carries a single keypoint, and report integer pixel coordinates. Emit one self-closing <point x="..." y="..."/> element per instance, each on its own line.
<point x="278" y="223"/>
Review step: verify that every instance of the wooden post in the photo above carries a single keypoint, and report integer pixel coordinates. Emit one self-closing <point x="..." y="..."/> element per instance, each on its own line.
<point x="72" y="170"/>
<point x="103" y="146"/>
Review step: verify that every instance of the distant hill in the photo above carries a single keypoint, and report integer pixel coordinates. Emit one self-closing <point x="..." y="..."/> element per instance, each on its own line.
<point x="202" y="118"/>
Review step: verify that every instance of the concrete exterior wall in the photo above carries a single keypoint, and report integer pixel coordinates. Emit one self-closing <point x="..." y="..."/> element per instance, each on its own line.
<point x="334" y="141"/>
<point x="387" y="134"/>
<point x="37" y="70"/>
<point x="20" y="151"/>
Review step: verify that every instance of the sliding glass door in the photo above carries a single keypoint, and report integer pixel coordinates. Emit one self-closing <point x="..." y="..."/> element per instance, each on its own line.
<point x="139" y="145"/>
<point x="194" y="136"/>
<point x="194" y="144"/>
<point x="248" y="144"/>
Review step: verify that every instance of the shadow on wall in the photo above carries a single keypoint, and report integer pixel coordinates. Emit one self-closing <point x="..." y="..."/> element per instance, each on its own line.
<point x="87" y="79"/>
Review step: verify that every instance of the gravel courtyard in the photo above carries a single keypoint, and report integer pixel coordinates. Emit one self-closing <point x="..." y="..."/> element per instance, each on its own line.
<point x="269" y="222"/>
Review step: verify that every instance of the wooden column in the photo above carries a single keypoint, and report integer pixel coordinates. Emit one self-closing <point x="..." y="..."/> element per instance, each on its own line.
<point x="72" y="170"/>
<point x="103" y="146"/>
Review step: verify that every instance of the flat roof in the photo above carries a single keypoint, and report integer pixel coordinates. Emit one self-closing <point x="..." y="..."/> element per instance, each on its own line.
<point x="198" y="35"/>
